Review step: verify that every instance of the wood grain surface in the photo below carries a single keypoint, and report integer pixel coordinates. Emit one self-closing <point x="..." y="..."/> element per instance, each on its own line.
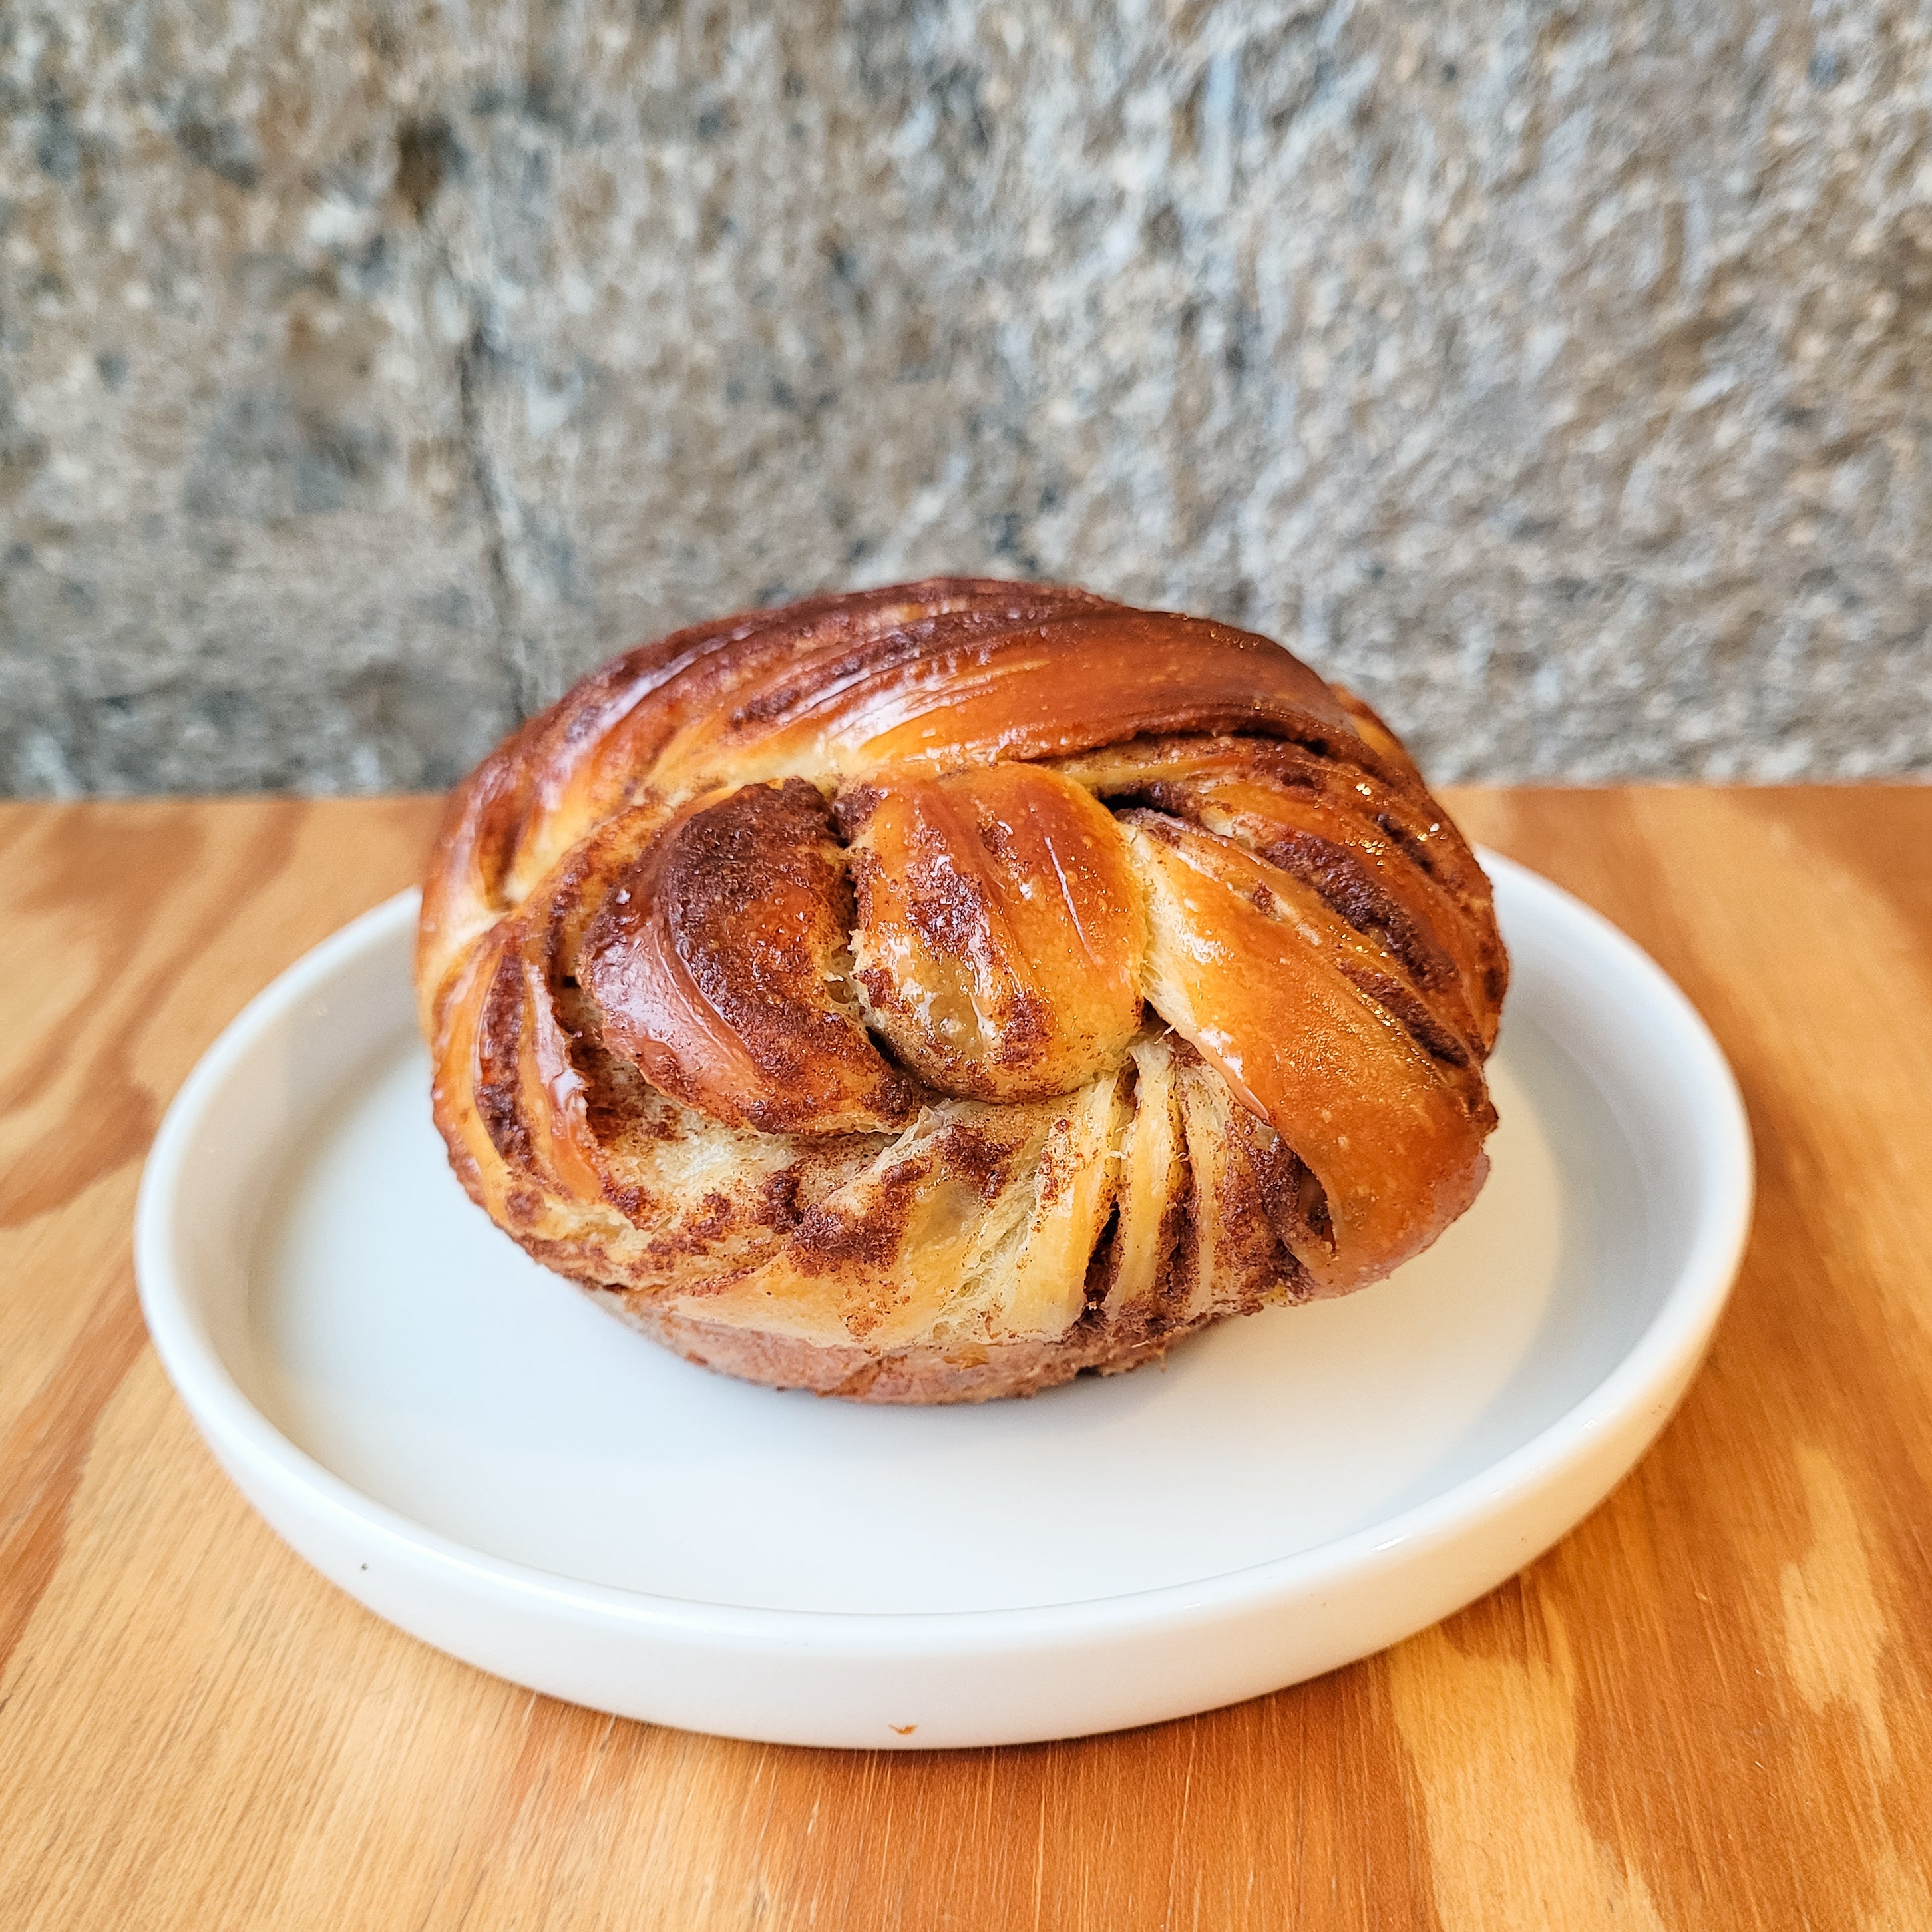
<point x="1710" y="1706"/>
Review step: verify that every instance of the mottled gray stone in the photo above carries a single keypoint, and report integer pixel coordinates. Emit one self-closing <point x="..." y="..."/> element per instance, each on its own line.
<point x="1561" y="377"/>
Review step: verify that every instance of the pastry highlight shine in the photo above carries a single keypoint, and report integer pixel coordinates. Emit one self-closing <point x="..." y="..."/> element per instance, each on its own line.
<point x="928" y="993"/>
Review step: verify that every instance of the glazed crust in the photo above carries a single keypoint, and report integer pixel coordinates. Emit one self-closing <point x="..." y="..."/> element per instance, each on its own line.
<point x="929" y="993"/>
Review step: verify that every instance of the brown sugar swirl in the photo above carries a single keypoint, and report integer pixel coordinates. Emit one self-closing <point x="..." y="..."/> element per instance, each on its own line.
<point x="927" y="994"/>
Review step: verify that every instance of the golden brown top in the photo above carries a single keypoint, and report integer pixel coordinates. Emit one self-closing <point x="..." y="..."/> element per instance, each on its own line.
<point x="819" y="875"/>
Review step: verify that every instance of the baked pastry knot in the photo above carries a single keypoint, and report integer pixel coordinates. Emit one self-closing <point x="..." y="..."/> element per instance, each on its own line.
<point x="927" y="994"/>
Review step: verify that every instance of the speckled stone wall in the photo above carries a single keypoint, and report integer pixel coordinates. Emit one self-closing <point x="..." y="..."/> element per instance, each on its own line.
<point x="1561" y="377"/>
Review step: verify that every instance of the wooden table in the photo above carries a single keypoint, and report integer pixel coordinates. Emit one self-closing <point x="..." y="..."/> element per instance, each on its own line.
<point x="1711" y="1706"/>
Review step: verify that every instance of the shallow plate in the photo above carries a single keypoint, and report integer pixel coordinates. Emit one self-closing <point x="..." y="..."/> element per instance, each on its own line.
<point x="481" y="1456"/>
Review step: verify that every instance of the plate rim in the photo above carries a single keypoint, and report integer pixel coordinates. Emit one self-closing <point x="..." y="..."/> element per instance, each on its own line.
<point x="1653" y="1370"/>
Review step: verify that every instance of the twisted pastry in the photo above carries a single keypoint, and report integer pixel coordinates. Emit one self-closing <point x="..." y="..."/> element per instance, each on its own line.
<point x="925" y="994"/>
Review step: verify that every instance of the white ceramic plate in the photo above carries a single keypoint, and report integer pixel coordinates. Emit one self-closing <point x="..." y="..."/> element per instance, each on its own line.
<point x="478" y="1454"/>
